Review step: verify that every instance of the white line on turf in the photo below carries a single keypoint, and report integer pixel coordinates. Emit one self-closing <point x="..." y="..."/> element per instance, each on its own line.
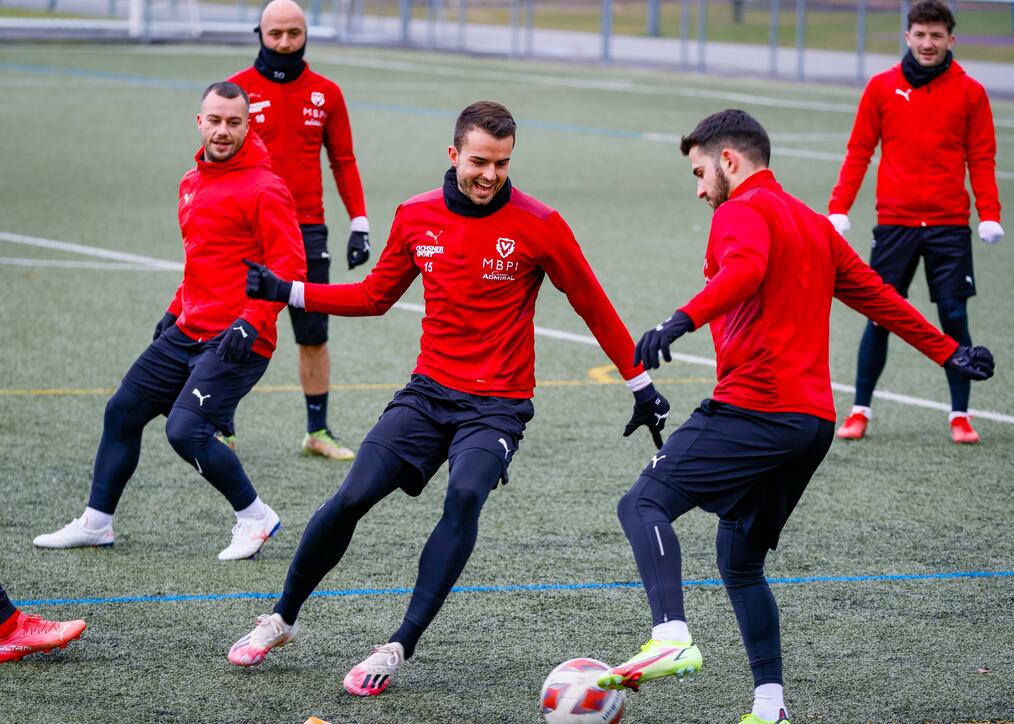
<point x="70" y="264"/>
<point x="154" y="264"/>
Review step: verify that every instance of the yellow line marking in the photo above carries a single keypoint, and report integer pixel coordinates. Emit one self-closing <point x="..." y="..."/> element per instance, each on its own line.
<point x="604" y="375"/>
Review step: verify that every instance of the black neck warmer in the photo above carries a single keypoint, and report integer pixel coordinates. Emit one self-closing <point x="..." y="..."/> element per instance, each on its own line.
<point x="279" y="67"/>
<point x="461" y="205"/>
<point x="919" y="75"/>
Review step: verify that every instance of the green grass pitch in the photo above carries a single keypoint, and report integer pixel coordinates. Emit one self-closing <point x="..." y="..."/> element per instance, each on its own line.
<point x="95" y="139"/>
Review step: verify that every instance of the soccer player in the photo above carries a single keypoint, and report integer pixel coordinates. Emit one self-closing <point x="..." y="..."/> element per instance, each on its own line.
<point x="483" y="249"/>
<point x="22" y="634"/>
<point x="772" y="266"/>
<point x="213" y="343"/>
<point x="296" y="111"/>
<point x="931" y="120"/>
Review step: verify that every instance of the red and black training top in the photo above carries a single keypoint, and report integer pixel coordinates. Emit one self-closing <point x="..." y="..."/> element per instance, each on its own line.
<point x="481" y="276"/>
<point x="772" y="267"/>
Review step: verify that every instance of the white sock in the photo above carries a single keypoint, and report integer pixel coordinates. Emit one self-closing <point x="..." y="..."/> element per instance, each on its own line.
<point x="671" y="631"/>
<point x="256" y="509"/>
<point x="768" y="701"/>
<point x="96" y="519"/>
<point x="956" y="414"/>
<point x="865" y="411"/>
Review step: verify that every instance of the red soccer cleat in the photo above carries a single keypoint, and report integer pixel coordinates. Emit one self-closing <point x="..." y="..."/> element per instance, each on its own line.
<point x="962" y="431"/>
<point x="32" y="634"/>
<point x="854" y="427"/>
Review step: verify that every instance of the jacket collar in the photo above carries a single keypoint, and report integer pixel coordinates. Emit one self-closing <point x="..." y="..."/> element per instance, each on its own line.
<point x="756" y="180"/>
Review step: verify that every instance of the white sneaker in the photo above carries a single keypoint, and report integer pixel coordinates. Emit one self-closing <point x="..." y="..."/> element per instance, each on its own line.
<point x="373" y="674"/>
<point x="76" y="535"/>
<point x="270" y="631"/>
<point x="249" y="535"/>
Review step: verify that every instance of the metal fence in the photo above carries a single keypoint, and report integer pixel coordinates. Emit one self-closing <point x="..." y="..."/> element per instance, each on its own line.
<point x="781" y="38"/>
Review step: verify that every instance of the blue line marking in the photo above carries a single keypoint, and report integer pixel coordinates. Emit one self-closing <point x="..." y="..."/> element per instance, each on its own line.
<point x="532" y="587"/>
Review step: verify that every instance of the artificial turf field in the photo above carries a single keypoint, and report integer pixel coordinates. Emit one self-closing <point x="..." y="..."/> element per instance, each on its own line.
<point x="897" y="569"/>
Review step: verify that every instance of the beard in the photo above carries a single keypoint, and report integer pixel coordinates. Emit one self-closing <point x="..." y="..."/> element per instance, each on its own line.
<point x="723" y="189"/>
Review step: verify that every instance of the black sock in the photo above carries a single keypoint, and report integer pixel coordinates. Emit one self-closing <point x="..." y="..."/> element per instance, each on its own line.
<point x="316" y="412"/>
<point x="7" y="609"/>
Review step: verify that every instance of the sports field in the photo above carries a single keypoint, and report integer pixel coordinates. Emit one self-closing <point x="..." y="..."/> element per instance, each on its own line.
<point x="895" y="576"/>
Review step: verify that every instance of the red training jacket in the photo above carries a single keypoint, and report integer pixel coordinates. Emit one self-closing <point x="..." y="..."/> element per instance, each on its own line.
<point x="481" y="277"/>
<point x="772" y="266"/>
<point x="928" y="135"/>
<point x="295" y="119"/>
<point x="229" y="211"/>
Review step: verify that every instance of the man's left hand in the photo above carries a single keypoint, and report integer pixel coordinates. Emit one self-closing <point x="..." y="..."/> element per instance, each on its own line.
<point x="358" y="249"/>
<point x="975" y="363"/>
<point x="651" y="409"/>
<point x="236" y="342"/>
<point x="657" y="340"/>
<point x="990" y="231"/>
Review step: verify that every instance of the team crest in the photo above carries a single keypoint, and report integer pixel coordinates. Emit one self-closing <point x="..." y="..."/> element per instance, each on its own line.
<point x="317" y="98"/>
<point x="504" y="247"/>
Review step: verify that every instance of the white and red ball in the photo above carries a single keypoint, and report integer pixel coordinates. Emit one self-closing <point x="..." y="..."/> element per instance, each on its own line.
<point x="570" y="695"/>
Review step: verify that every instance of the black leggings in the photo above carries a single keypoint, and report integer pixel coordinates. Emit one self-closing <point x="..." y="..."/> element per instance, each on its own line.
<point x="374" y="475"/>
<point x="646" y="513"/>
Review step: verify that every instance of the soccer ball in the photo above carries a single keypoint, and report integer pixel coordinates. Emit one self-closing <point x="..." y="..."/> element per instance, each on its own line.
<point x="571" y="696"/>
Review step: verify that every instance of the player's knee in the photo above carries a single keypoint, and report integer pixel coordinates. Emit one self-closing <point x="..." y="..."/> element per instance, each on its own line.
<point x="740" y="560"/>
<point x="120" y="408"/>
<point x="953" y="313"/>
<point x="187" y="432"/>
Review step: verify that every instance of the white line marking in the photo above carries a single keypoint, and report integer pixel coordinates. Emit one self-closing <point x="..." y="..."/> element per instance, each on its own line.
<point x="67" y="264"/>
<point x="585" y="339"/>
<point x="90" y="251"/>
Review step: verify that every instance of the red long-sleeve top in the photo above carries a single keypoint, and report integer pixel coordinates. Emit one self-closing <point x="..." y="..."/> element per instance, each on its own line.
<point x="927" y="135"/>
<point x="772" y="267"/>
<point x="229" y="211"/>
<point x="481" y="277"/>
<point x="295" y="119"/>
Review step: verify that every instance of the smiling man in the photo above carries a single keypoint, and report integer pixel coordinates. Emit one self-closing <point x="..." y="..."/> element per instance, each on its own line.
<point x="297" y="112"/>
<point x="772" y="267"/>
<point x="932" y="121"/>
<point x="483" y="249"/>
<point x="213" y="343"/>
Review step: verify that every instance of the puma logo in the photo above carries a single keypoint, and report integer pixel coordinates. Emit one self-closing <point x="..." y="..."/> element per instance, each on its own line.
<point x="241" y="331"/>
<point x="436" y="236"/>
<point x="200" y="398"/>
<point x="660" y="418"/>
<point x="506" y="450"/>
<point x="655" y="460"/>
<point x="903" y="94"/>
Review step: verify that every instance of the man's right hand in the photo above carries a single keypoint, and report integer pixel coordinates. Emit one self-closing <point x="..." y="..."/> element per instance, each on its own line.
<point x="840" y="222"/>
<point x="261" y="283"/>
<point x="164" y="324"/>
<point x="975" y="363"/>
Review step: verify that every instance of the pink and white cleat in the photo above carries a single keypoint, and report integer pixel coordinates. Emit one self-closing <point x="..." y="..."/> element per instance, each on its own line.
<point x="373" y="674"/>
<point x="270" y="631"/>
<point x="32" y="634"/>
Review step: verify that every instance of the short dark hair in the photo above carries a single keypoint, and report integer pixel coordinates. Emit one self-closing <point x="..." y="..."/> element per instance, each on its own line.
<point x="489" y="116"/>
<point x="227" y="90"/>
<point x="930" y="12"/>
<point x="731" y="128"/>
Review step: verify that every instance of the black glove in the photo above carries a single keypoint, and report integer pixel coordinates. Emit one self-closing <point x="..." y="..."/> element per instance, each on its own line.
<point x="975" y="363"/>
<point x="658" y="340"/>
<point x="651" y="410"/>
<point x="168" y="320"/>
<point x="261" y="283"/>
<point x="235" y="343"/>
<point x="358" y="249"/>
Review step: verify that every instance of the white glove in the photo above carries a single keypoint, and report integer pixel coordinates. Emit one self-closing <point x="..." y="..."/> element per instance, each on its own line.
<point x="990" y="231"/>
<point x="840" y="222"/>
